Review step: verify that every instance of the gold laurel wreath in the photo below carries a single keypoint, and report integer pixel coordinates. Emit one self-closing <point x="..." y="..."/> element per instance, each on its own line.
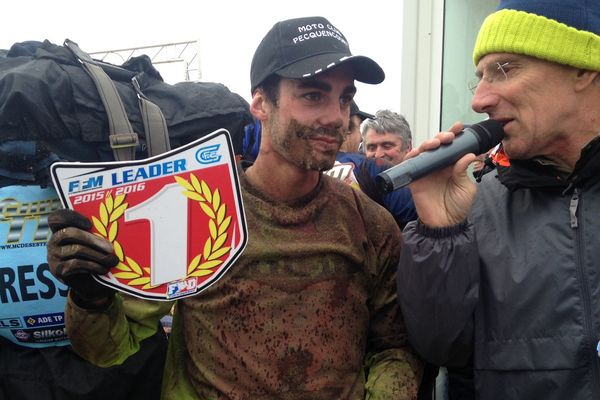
<point x="210" y="202"/>
<point x="108" y="227"/>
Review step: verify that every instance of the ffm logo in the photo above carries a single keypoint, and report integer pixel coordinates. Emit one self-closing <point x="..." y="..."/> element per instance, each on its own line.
<point x="182" y="287"/>
<point x="208" y="154"/>
<point x="93" y="182"/>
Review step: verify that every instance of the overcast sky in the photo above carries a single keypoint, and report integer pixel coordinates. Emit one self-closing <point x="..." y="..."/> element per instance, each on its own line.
<point x="228" y="30"/>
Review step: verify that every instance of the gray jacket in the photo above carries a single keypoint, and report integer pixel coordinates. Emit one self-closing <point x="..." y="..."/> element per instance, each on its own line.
<point x="516" y="286"/>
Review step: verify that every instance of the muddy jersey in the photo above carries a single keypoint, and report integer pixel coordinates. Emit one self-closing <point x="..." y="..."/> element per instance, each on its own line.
<point x="308" y="310"/>
<point x="32" y="300"/>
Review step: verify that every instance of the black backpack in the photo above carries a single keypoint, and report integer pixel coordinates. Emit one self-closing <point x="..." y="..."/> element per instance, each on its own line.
<point x="83" y="109"/>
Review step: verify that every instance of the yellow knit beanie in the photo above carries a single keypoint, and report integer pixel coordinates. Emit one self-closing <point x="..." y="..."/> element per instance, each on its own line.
<point x="538" y="29"/>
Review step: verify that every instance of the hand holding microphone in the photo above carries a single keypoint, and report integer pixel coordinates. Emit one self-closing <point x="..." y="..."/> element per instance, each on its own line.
<point x="443" y="199"/>
<point x="477" y="139"/>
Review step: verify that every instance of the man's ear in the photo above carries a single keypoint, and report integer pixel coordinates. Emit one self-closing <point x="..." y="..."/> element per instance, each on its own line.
<point x="259" y="106"/>
<point x="585" y="78"/>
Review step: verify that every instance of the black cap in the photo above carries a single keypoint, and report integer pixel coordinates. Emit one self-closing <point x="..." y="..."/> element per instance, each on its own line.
<point x="354" y="110"/>
<point x="303" y="47"/>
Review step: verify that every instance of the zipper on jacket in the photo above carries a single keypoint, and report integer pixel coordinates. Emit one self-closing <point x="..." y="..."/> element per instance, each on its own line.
<point x="573" y="208"/>
<point x="591" y="339"/>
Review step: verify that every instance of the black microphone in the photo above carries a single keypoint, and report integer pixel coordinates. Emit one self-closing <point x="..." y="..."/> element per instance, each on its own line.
<point x="477" y="138"/>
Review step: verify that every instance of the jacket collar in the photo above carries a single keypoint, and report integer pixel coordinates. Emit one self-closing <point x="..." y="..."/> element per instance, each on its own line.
<point x="533" y="174"/>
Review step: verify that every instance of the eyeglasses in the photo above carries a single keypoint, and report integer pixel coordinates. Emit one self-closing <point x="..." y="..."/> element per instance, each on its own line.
<point x="494" y="72"/>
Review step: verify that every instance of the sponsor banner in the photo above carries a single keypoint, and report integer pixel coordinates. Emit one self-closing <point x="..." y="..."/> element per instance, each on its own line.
<point x="176" y="220"/>
<point x="31" y="299"/>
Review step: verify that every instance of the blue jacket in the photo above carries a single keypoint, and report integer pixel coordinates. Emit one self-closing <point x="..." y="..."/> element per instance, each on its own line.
<point x="399" y="202"/>
<point x="516" y="286"/>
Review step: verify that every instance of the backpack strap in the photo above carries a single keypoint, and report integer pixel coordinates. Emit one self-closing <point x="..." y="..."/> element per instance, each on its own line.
<point x="155" y="126"/>
<point x="123" y="140"/>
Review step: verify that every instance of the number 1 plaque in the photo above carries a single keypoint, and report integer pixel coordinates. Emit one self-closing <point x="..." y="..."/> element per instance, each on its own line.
<point x="176" y="220"/>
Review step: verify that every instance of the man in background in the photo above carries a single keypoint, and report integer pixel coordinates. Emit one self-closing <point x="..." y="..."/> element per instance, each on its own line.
<point x="386" y="136"/>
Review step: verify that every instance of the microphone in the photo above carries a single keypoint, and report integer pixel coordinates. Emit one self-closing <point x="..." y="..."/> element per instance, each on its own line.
<point x="477" y="138"/>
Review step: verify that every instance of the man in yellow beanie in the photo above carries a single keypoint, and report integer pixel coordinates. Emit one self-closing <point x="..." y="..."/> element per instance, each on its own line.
<point x="508" y="273"/>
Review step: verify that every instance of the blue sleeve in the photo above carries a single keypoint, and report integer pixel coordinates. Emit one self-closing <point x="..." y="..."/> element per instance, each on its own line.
<point x="438" y="289"/>
<point x="400" y="204"/>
